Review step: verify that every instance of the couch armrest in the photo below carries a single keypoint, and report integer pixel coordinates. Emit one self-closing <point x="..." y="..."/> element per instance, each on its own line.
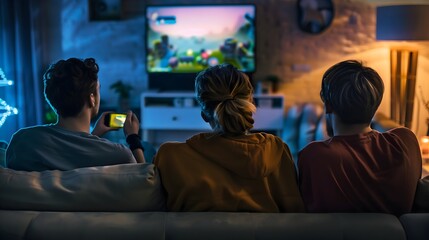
<point x="421" y="199"/>
<point x="416" y="225"/>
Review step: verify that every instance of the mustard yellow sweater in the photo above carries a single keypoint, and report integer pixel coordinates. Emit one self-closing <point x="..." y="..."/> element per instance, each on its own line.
<point x="210" y="172"/>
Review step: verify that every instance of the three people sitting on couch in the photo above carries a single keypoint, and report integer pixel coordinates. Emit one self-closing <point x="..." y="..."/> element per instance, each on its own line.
<point x="231" y="169"/>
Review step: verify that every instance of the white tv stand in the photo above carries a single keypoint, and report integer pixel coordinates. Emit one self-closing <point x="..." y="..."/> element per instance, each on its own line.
<point x="176" y="116"/>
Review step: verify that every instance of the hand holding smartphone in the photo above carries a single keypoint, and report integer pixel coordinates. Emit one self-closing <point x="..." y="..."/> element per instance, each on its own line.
<point x="115" y="120"/>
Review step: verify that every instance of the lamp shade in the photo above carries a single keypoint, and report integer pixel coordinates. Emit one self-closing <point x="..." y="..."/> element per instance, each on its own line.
<point x="403" y="22"/>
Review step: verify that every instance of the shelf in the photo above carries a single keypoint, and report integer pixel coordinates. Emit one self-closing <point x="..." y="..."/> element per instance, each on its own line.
<point x="173" y="112"/>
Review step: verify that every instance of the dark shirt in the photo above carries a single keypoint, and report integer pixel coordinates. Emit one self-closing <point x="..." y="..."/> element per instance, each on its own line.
<point x="50" y="147"/>
<point x="371" y="172"/>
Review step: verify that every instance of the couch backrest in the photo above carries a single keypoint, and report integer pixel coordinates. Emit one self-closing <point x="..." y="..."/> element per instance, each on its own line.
<point x="124" y="187"/>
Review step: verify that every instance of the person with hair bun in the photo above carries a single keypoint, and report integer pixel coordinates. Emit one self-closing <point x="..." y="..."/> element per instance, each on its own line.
<point x="229" y="169"/>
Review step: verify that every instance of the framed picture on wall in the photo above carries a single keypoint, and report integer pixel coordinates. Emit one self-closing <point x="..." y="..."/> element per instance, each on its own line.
<point x="100" y="10"/>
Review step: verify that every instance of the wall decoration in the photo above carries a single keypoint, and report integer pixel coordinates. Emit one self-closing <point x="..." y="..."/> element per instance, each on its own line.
<point x="5" y="109"/>
<point x="105" y="9"/>
<point x="315" y="16"/>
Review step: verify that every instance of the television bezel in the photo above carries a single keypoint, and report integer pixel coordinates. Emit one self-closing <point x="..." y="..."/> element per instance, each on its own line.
<point x="169" y="81"/>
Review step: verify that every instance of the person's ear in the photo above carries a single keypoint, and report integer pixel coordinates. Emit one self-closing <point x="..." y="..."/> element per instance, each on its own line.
<point x="91" y="100"/>
<point x="328" y="108"/>
<point x="205" y="117"/>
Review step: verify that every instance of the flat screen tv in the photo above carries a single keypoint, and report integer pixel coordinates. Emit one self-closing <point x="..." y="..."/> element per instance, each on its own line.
<point x="184" y="40"/>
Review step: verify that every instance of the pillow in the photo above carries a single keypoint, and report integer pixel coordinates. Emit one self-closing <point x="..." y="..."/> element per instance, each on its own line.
<point x="124" y="187"/>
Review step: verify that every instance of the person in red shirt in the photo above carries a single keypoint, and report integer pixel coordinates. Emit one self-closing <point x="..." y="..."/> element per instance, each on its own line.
<point x="358" y="169"/>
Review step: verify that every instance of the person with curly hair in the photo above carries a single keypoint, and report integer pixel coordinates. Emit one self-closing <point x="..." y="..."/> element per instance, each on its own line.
<point x="72" y="89"/>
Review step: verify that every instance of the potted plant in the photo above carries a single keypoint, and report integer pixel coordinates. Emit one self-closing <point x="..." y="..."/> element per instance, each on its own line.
<point x="123" y="90"/>
<point x="267" y="85"/>
<point x="275" y="82"/>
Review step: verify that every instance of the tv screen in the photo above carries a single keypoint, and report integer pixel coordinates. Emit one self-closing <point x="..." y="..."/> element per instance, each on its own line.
<point x="188" y="39"/>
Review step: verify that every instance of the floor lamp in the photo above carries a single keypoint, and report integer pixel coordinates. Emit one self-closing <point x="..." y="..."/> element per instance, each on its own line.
<point x="403" y="23"/>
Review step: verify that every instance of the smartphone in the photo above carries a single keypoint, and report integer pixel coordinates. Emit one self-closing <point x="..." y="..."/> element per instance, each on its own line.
<point x="115" y="120"/>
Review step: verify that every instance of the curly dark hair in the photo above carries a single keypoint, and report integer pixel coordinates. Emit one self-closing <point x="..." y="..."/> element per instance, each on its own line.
<point x="353" y="91"/>
<point x="69" y="84"/>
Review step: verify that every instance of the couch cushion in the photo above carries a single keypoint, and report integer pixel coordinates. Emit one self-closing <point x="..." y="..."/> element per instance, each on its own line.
<point x="198" y="225"/>
<point x="125" y="187"/>
<point x="331" y="226"/>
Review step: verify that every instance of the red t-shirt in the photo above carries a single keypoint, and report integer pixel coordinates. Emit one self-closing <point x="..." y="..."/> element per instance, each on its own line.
<point x="371" y="172"/>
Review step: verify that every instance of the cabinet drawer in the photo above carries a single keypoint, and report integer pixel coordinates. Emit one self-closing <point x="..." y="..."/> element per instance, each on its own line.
<point x="172" y="118"/>
<point x="268" y="119"/>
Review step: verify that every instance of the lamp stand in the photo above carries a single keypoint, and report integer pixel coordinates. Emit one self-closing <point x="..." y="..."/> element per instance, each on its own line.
<point x="403" y="69"/>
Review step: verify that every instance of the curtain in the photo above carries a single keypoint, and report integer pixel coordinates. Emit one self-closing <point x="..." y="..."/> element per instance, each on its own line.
<point x="20" y="59"/>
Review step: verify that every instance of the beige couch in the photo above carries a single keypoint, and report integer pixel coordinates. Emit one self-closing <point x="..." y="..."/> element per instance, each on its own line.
<point x="127" y="202"/>
<point x="208" y="225"/>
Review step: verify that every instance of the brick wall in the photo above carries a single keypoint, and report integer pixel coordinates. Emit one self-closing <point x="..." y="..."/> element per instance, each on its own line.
<point x="297" y="58"/>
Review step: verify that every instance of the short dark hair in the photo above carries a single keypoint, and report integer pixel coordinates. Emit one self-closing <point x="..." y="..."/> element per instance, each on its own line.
<point x="225" y="95"/>
<point x="353" y="91"/>
<point x="69" y="83"/>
